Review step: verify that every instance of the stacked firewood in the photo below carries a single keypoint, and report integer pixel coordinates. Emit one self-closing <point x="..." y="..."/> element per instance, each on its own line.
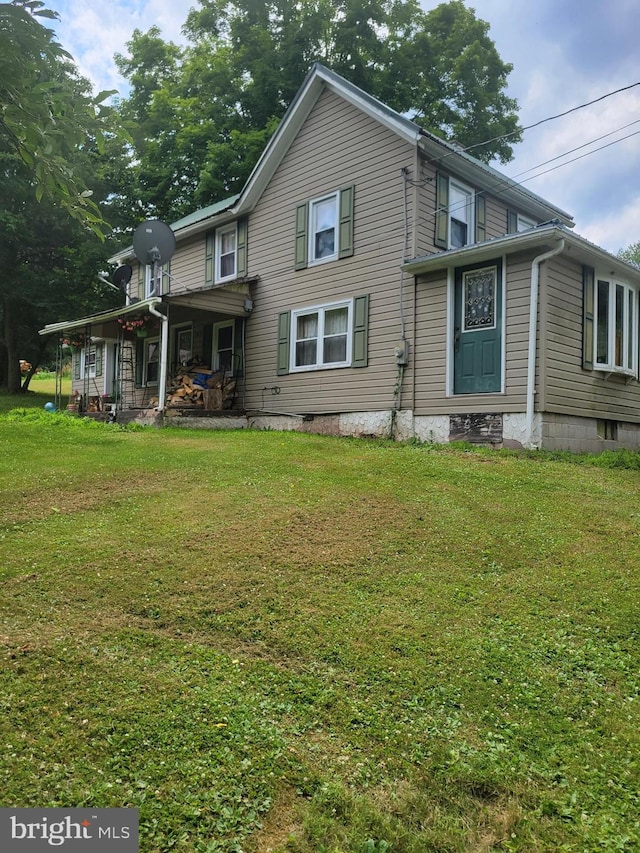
<point x="198" y="386"/>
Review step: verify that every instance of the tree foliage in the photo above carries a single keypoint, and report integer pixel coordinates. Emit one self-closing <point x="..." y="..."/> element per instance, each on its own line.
<point x="631" y="254"/>
<point x="45" y="115"/>
<point x="52" y="138"/>
<point x="200" y="116"/>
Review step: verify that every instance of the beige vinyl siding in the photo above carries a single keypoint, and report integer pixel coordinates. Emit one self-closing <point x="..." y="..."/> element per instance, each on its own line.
<point x="337" y="147"/>
<point x="566" y="387"/>
<point x="431" y="345"/>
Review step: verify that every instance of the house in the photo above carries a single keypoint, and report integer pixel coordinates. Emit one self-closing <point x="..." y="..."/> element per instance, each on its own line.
<point x="372" y="279"/>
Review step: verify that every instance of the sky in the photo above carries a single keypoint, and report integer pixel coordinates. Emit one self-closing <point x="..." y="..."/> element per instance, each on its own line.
<point x="565" y="53"/>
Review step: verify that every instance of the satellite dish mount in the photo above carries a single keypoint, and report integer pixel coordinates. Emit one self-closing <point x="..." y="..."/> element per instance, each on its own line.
<point x="154" y="244"/>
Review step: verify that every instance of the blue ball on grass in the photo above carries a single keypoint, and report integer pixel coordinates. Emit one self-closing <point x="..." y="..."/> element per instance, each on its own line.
<point x="49" y="407"/>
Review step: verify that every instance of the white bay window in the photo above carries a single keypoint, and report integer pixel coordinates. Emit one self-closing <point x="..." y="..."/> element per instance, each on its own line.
<point x="615" y="317"/>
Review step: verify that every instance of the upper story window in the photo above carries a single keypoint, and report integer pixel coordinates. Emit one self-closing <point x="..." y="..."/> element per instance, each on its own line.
<point x="323" y="231"/>
<point x="226" y="253"/>
<point x="152" y="281"/>
<point x="324" y="228"/>
<point x="226" y="247"/>
<point x="523" y="223"/>
<point x="460" y="215"/>
<point x="616" y="332"/>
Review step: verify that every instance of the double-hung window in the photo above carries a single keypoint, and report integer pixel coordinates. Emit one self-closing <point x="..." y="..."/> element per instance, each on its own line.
<point x="226" y="246"/>
<point x="324" y="228"/>
<point x="151" y="361"/>
<point x="153" y="281"/>
<point x="616" y="326"/>
<point x="321" y="336"/>
<point x="460" y="216"/>
<point x="323" y="231"/>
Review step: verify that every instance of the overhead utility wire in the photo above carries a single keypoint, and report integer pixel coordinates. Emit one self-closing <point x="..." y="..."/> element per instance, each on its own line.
<point x="507" y="181"/>
<point x="537" y="123"/>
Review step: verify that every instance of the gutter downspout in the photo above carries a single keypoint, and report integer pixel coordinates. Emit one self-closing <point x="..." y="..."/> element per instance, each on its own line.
<point x="533" y="329"/>
<point x="164" y="350"/>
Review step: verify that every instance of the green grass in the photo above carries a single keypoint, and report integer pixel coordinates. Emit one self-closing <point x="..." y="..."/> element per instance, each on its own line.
<point x="285" y="642"/>
<point x="42" y="390"/>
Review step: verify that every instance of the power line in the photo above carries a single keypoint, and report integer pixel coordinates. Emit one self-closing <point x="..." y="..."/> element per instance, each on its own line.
<point x="535" y="124"/>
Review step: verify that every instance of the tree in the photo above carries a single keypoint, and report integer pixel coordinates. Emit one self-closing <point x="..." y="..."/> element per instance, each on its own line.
<point x="51" y="131"/>
<point x="631" y="254"/>
<point x="203" y="115"/>
<point x="43" y="119"/>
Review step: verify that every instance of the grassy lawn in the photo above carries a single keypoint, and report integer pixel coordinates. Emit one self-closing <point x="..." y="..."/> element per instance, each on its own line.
<point x="286" y="642"/>
<point x="42" y="390"/>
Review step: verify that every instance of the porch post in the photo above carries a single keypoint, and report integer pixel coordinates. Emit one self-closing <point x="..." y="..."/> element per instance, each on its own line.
<point x="164" y="354"/>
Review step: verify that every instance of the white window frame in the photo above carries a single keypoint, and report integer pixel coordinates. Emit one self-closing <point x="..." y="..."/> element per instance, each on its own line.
<point x="220" y="234"/>
<point x="524" y="223"/>
<point x="313" y="229"/>
<point x="629" y="326"/>
<point x="87" y="363"/>
<point x="178" y="331"/>
<point x="320" y="310"/>
<point x="468" y="209"/>
<point x="152" y="286"/>
<point x="224" y="324"/>
<point x="145" y="373"/>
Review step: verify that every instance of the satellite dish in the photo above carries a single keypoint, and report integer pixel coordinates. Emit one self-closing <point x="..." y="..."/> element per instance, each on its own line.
<point x="122" y="276"/>
<point x="153" y="242"/>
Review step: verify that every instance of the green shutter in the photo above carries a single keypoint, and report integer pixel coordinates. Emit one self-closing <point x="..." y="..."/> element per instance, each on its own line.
<point x="284" y="326"/>
<point x="139" y="362"/>
<point x="207" y="344"/>
<point x="302" y="246"/>
<point x="165" y="281"/>
<point x="441" y="238"/>
<point x="99" y="351"/>
<point x="141" y="269"/>
<point x="76" y="358"/>
<point x="360" y="347"/>
<point x="241" y="249"/>
<point x="588" y="276"/>
<point x="481" y="218"/>
<point x="345" y="245"/>
<point x="209" y="250"/>
<point x="512" y="222"/>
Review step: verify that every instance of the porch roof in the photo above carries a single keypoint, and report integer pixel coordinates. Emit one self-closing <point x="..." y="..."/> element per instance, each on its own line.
<point x="102" y="317"/>
<point x="541" y="235"/>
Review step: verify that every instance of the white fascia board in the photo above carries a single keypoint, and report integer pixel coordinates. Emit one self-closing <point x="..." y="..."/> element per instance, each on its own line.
<point x="578" y="247"/>
<point x="105" y="316"/>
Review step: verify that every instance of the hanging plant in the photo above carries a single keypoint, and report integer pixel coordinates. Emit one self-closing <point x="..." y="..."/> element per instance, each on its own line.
<point x="78" y="340"/>
<point x="138" y="323"/>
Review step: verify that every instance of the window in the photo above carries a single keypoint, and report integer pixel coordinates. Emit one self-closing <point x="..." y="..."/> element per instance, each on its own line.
<point x="183" y="348"/>
<point x="226" y="244"/>
<point x="460" y="216"/>
<point x="323" y="236"/>
<point x="616" y="327"/>
<point x="152" y="281"/>
<point x="320" y="337"/>
<point x="324" y="336"/>
<point x="324" y="228"/>
<point x="523" y="223"/>
<point x="223" y="346"/>
<point x="89" y="362"/>
<point x="151" y="361"/>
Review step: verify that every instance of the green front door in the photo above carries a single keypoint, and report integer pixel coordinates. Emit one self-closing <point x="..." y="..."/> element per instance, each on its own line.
<point x="477" y="353"/>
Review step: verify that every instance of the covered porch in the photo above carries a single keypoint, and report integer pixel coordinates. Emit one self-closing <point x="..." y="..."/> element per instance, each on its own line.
<point x="172" y="356"/>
